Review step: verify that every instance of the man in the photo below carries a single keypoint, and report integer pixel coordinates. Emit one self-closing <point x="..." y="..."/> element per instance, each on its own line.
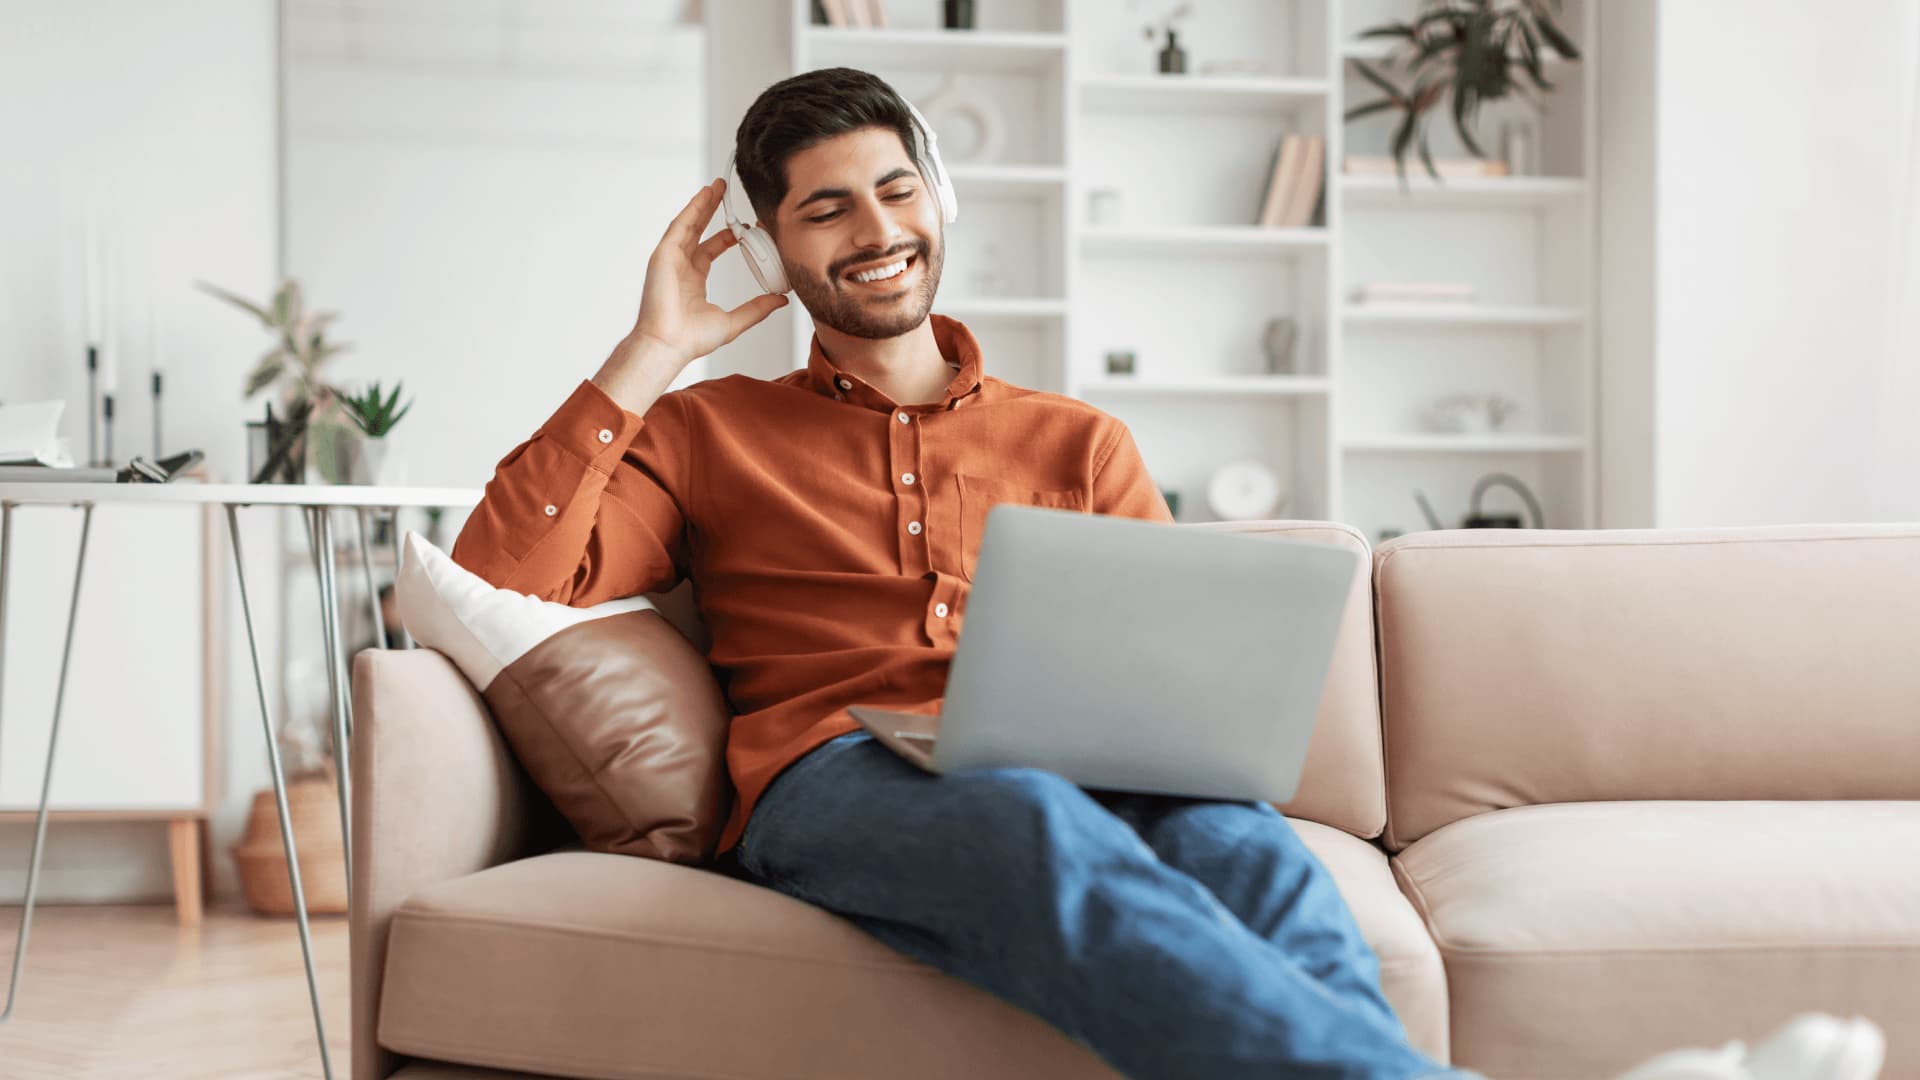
<point x="829" y="520"/>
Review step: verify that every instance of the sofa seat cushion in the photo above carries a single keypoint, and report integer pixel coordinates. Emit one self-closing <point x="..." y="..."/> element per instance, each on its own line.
<point x="594" y="965"/>
<point x="1582" y="937"/>
<point x="1411" y="974"/>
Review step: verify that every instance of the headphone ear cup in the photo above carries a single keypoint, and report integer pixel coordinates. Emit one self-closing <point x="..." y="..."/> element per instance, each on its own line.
<point x="763" y="258"/>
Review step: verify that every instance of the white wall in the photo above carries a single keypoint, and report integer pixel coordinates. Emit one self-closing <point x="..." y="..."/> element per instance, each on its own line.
<point x="176" y="145"/>
<point x="1781" y="170"/>
<point x="483" y="227"/>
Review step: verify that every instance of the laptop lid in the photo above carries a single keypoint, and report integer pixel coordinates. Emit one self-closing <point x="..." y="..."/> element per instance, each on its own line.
<point x="1139" y="656"/>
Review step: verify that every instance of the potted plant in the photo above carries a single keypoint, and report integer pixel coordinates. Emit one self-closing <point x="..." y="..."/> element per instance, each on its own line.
<point x="370" y="460"/>
<point x="1466" y="52"/>
<point x="300" y="350"/>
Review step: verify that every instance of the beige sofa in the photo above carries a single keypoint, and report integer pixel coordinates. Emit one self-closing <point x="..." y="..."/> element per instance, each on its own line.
<point x="1590" y="795"/>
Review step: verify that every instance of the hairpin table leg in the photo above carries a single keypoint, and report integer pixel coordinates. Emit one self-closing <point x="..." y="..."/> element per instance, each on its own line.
<point x="406" y="639"/>
<point x="366" y="565"/>
<point x="322" y="533"/>
<point x="280" y="797"/>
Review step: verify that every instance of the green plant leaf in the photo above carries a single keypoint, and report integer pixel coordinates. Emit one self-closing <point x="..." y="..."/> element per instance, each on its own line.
<point x="1560" y="41"/>
<point x="1401" y="139"/>
<point x="240" y="302"/>
<point x="1464" y="114"/>
<point x="265" y="373"/>
<point x="1376" y="78"/>
<point x="1426" y="158"/>
<point x="1371" y="107"/>
<point x="283" y="304"/>
<point x="1393" y="30"/>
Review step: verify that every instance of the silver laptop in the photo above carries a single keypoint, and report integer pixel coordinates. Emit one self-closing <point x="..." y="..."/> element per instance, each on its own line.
<point x="1134" y="656"/>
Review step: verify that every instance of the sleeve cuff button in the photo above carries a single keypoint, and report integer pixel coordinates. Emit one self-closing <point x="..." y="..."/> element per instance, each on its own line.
<point x="606" y="436"/>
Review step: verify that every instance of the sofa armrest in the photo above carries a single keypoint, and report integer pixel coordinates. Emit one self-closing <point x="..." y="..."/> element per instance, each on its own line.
<point x="436" y="795"/>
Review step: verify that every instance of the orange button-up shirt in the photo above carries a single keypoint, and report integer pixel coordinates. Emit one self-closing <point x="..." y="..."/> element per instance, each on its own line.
<point x="830" y="532"/>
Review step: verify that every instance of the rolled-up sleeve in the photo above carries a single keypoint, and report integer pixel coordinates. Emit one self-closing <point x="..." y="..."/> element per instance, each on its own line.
<point x="590" y="508"/>
<point x="1121" y="485"/>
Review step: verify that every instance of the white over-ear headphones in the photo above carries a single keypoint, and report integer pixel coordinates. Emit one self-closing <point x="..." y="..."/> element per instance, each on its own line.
<point x="763" y="258"/>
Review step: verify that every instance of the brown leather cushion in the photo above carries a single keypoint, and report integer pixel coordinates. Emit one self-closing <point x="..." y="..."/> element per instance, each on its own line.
<point x="614" y="713"/>
<point x="620" y="722"/>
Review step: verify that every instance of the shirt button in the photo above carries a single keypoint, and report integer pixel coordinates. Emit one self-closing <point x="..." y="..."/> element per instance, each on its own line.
<point x="606" y="436"/>
<point x="913" y="527"/>
<point x="903" y="417"/>
<point x="907" y="479"/>
<point x="552" y="509"/>
<point x="846" y="384"/>
<point x="939" y="611"/>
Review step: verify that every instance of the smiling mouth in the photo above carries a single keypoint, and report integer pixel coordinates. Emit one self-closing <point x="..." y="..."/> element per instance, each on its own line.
<point x="890" y="281"/>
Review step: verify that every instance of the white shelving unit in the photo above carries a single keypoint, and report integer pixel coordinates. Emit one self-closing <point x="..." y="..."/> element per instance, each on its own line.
<point x="1181" y="278"/>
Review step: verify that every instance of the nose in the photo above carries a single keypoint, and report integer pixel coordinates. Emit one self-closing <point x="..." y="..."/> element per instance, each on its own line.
<point x="875" y="227"/>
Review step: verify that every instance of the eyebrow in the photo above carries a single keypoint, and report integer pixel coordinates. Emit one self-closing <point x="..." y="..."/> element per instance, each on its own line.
<point x="847" y="193"/>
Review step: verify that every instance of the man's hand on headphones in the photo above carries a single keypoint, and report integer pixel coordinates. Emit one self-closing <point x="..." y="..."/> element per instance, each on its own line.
<point x="675" y="314"/>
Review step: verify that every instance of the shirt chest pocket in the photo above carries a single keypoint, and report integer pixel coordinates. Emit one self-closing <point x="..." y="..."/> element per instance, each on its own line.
<point x="979" y="494"/>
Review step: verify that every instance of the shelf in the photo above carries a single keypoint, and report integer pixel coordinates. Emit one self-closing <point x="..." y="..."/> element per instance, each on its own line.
<point x="1225" y="385"/>
<point x="1009" y="179"/>
<point x="1377" y="49"/>
<point x="964" y="50"/>
<point x="1188" y="93"/>
<point x="1001" y="307"/>
<point x="1423" y="442"/>
<point x="1421" y="191"/>
<point x="1460" y="315"/>
<point x="1200" y="240"/>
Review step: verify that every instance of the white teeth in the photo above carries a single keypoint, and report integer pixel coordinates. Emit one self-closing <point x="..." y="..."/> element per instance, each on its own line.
<point x="883" y="272"/>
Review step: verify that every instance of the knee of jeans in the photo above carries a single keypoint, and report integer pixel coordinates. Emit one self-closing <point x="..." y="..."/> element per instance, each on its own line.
<point x="1035" y="804"/>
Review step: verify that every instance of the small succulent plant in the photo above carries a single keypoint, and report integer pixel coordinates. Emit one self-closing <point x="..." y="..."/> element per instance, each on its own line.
<point x="372" y="411"/>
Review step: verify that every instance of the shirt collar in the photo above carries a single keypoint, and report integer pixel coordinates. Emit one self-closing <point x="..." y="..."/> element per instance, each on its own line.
<point x="957" y="347"/>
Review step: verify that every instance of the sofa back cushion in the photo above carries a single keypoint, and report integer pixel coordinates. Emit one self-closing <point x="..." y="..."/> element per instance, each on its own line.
<point x="1521" y="667"/>
<point x="1343" y="785"/>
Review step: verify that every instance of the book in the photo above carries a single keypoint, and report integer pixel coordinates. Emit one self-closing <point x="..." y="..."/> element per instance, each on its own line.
<point x="1382" y="165"/>
<point x="30" y="435"/>
<point x="1267" y="193"/>
<point x="857" y="13"/>
<point x="877" y="13"/>
<point x="836" y="11"/>
<point x="1305" y="194"/>
<point x="1286" y="170"/>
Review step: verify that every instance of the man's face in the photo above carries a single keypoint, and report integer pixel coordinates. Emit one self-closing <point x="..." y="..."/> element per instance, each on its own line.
<point x="856" y="205"/>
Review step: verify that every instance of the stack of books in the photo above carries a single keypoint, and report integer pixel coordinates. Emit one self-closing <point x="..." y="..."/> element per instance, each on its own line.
<point x="1382" y="165"/>
<point x="852" y="12"/>
<point x="1414" y="292"/>
<point x="1295" y="182"/>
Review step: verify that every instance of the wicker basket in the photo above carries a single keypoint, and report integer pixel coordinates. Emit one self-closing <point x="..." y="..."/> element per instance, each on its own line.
<point x="314" y="805"/>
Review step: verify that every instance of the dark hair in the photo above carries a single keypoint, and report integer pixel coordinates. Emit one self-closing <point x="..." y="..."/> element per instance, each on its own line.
<point x="812" y="107"/>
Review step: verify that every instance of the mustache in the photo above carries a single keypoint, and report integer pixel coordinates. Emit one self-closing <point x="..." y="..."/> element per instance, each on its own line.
<point x="839" y="269"/>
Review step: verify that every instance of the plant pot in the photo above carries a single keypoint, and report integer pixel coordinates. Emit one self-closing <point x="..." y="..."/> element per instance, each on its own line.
<point x="313" y="804"/>
<point x="375" y="461"/>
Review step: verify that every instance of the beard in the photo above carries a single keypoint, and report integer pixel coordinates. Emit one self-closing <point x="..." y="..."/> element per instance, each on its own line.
<point x="832" y="304"/>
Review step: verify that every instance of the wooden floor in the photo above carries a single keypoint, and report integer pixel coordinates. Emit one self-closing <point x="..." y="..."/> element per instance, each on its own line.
<point x="127" y="992"/>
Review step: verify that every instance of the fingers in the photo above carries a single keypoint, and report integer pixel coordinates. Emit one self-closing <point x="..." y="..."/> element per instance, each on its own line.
<point x="686" y="226"/>
<point x="751" y="312"/>
<point x="710" y="249"/>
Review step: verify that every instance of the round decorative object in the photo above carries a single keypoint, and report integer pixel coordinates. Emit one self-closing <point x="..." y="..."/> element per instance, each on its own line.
<point x="966" y="122"/>
<point x="1244" y="491"/>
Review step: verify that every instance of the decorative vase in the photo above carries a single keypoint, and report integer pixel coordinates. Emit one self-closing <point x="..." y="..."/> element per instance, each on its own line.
<point x="313" y="806"/>
<point x="330" y="452"/>
<point x="373" y="461"/>
<point x="1173" y="58"/>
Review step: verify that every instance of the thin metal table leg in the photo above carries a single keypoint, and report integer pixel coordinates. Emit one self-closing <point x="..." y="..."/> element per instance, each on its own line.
<point x="366" y="565"/>
<point x="406" y="639"/>
<point x="330" y="628"/>
<point x="53" y="739"/>
<point x="280" y="796"/>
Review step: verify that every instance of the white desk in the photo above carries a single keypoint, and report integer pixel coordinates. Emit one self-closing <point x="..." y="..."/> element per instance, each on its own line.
<point x="318" y="502"/>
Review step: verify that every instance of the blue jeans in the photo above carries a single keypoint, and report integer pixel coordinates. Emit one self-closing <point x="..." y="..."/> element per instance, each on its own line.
<point x="1172" y="937"/>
